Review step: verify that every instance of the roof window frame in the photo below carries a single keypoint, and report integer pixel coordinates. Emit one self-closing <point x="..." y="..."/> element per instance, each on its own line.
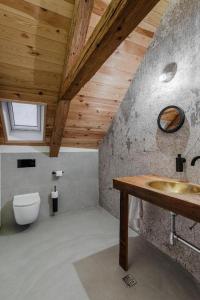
<point x="13" y="126"/>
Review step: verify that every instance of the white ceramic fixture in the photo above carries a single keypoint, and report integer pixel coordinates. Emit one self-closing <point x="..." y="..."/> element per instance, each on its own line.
<point x="26" y="208"/>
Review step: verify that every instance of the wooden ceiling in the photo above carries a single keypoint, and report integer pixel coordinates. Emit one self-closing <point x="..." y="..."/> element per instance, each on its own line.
<point x="34" y="40"/>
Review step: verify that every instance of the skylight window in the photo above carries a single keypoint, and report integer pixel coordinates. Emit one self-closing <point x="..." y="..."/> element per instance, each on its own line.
<point x="24" y="116"/>
<point x="23" y="121"/>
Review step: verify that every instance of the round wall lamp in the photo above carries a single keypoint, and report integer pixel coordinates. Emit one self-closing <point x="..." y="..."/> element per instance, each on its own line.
<point x="168" y="73"/>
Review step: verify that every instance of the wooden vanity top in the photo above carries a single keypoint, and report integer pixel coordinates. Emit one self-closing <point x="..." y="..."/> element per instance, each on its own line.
<point x="187" y="205"/>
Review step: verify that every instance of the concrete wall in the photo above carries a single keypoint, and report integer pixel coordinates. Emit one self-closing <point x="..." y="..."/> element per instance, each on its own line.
<point x="0" y="189"/>
<point x="134" y="145"/>
<point x="78" y="187"/>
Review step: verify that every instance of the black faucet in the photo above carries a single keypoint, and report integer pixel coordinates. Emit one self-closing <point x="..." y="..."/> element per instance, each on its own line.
<point x="179" y="163"/>
<point x="194" y="160"/>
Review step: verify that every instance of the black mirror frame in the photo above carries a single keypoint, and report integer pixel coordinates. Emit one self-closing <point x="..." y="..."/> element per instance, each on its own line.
<point x="182" y="118"/>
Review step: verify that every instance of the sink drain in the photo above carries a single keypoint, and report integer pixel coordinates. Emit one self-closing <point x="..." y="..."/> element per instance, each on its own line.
<point x="129" y="280"/>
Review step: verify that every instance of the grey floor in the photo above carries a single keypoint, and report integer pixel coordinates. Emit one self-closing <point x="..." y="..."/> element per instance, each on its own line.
<point x="156" y="275"/>
<point x="39" y="263"/>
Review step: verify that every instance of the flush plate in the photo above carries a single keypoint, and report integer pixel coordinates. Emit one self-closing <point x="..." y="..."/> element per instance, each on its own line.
<point x="26" y="163"/>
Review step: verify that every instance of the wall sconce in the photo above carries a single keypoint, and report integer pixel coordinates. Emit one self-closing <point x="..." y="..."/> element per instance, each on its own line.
<point x="168" y="73"/>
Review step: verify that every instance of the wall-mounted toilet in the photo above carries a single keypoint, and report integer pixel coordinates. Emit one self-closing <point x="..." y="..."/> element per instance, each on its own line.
<point x="26" y="208"/>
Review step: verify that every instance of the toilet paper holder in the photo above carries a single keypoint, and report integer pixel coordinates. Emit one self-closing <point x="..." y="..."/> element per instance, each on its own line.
<point x="55" y="173"/>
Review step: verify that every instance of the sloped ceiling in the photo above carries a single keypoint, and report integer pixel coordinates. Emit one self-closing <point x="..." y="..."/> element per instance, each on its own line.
<point x="34" y="36"/>
<point x="33" y="39"/>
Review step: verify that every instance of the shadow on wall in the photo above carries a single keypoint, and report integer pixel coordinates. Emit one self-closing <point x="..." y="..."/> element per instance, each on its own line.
<point x="8" y="225"/>
<point x="173" y="143"/>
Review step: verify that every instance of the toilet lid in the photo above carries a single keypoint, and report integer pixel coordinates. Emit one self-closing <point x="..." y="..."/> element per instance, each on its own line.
<point x="26" y="199"/>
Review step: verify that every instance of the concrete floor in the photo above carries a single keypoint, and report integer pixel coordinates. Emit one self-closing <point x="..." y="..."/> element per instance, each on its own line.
<point x="38" y="263"/>
<point x="157" y="276"/>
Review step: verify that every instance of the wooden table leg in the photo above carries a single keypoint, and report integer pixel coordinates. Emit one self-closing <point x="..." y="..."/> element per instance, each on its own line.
<point x="123" y="246"/>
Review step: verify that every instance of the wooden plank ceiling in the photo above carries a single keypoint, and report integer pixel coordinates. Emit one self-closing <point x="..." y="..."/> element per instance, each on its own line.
<point x="34" y="39"/>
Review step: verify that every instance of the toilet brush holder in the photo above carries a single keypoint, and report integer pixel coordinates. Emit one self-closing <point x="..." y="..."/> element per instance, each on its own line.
<point x="54" y="197"/>
<point x="55" y="205"/>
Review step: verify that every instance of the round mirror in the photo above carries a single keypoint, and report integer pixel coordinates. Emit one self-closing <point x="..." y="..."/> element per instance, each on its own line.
<point x="171" y="119"/>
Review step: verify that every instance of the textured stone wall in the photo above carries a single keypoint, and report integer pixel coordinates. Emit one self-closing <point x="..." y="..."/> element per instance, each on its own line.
<point x="134" y="145"/>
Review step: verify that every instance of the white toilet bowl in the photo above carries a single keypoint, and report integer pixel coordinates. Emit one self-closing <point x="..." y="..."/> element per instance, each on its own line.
<point x="26" y="208"/>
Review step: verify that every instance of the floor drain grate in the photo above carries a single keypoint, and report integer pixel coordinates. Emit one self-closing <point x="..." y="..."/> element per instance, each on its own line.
<point x="129" y="280"/>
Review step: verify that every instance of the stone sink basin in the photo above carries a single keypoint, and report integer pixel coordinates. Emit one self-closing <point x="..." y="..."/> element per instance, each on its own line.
<point x="175" y="187"/>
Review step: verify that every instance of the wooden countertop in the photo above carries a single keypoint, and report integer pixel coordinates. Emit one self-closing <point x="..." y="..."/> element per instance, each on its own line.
<point x="187" y="205"/>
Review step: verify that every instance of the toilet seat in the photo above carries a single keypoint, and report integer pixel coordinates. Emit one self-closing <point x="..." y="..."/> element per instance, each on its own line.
<point x="26" y="208"/>
<point x="26" y="200"/>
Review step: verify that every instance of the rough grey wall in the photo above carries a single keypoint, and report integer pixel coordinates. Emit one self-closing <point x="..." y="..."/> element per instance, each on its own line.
<point x="78" y="188"/>
<point x="134" y="145"/>
<point x="0" y="189"/>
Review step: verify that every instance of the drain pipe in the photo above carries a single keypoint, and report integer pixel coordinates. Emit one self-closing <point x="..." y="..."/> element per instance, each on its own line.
<point x="174" y="236"/>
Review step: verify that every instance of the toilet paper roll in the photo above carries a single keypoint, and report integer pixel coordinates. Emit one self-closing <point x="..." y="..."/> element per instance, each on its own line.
<point x="59" y="173"/>
<point x="54" y="195"/>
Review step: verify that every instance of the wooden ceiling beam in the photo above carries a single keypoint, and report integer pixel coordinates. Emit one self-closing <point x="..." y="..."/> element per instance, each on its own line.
<point x="99" y="7"/>
<point x="78" y="32"/>
<point x="119" y="20"/>
<point x="77" y="38"/>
